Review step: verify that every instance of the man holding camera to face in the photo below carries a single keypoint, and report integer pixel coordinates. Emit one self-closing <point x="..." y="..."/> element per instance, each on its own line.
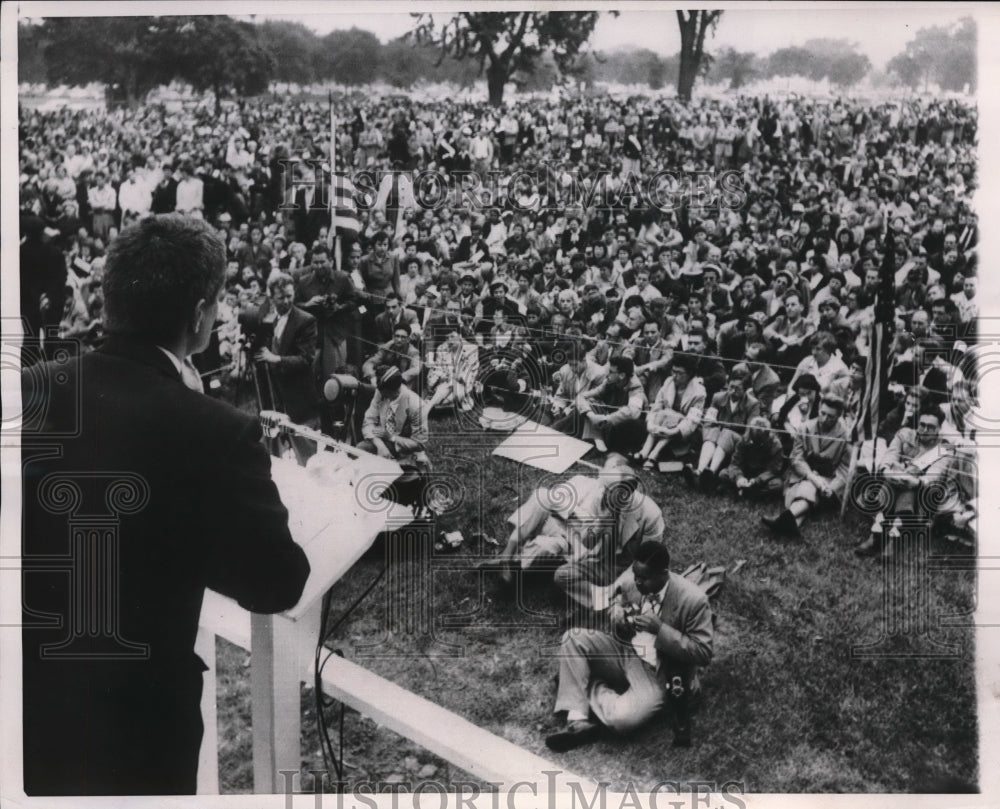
<point x="328" y="295"/>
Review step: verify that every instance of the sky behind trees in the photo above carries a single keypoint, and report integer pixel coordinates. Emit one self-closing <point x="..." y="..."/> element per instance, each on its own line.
<point x="880" y="31"/>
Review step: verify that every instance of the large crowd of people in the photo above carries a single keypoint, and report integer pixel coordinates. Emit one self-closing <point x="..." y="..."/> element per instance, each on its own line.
<point x="691" y="288"/>
<point x="729" y="332"/>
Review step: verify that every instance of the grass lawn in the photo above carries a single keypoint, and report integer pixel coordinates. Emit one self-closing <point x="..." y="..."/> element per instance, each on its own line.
<point x="788" y="706"/>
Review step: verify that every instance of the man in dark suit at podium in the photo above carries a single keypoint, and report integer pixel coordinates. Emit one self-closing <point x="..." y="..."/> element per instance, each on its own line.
<point x="139" y="492"/>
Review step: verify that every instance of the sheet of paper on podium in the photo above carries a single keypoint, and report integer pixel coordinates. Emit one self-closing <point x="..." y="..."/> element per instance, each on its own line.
<point x="543" y="448"/>
<point x="335" y="511"/>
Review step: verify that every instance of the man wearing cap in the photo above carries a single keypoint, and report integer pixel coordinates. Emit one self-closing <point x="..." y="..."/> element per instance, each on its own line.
<point x="817" y="466"/>
<point x="395" y="424"/>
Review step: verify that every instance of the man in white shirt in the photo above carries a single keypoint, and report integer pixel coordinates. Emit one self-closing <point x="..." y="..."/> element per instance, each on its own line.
<point x="134" y="197"/>
<point x="102" y="199"/>
<point x="481" y="152"/>
<point x="190" y="192"/>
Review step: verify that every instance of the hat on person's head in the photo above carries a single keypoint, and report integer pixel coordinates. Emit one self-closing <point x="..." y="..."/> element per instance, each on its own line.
<point x="757" y="317"/>
<point x="498" y="285"/>
<point x="786" y="275"/>
<point x="712" y="268"/>
<point x="225" y="216"/>
<point x="798" y="207"/>
<point x="390" y="380"/>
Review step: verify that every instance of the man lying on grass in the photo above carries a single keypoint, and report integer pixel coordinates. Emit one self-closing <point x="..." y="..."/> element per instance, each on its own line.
<point x="661" y="632"/>
<point x="587" y="529"/>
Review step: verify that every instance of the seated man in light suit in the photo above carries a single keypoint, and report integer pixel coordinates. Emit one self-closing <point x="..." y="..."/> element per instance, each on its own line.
<point x="395" y="424"/>
<point x="662" y="632"/>
<point x="591" y="525"/>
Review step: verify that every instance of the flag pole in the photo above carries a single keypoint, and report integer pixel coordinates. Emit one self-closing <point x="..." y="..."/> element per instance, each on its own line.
<point x="334" y="236"/>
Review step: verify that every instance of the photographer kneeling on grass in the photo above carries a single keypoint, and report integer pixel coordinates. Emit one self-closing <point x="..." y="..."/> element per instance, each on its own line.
<point x="661" y="633"/>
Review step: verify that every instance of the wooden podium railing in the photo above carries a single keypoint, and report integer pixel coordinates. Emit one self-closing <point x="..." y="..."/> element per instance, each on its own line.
<point x="335" y="514"/>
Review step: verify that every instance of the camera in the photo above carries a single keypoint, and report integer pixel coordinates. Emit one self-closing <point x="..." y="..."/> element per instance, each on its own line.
<point x="258" y="331"/>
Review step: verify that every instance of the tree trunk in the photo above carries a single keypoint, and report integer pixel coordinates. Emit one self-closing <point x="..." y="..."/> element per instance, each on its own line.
<point x="685" y="76"/>
<point x="496" y="79"/>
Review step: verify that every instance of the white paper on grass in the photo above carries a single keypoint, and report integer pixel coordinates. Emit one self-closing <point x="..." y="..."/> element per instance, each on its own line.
<point x="542" y="448"/>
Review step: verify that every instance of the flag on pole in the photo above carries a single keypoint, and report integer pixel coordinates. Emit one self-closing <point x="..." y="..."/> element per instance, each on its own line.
<point x="875" y="402"/>
<point x="343" y="210"/>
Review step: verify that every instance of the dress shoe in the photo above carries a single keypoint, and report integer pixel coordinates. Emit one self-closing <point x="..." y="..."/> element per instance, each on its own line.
<point x="708" y="481"/>
<point x="689" y="476"/>
<point x="577" y="733"/>
<point x="870" y="546"/>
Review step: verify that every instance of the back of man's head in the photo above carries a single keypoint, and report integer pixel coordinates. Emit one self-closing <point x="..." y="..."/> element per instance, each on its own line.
<point x="156" y="272"/>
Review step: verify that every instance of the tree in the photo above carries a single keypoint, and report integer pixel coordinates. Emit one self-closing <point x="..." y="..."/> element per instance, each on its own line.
<point x="507" y="42"/>
<point x="907" y="69"/>
<point x="120" y="52"/>
<point x="945" y="55"/>
<point x="736" y="67"/>
<point x="30" y="53"/>
<point x="791" y="61"/>
<point x="215" y="53"/>
<point x="294" y="49"/>
<point x="694" y="26"/>
<point x="349" y="57"/>
<point x="848" y="68"/>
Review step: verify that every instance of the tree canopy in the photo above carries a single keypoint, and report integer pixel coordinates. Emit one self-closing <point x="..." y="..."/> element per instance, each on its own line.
<point x="503" y="43"/>
<point x="945" y="56"/>
<point x="837" y="60"/>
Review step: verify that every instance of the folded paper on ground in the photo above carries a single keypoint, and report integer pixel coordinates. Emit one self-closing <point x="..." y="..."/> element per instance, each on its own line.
<point x="543" y="448"/>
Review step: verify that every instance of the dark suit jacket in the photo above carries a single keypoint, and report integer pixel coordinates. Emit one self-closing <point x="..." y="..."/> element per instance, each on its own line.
<point x="294" y="377"/>
<point x="162" y="492"/>
<point x="384" y="326"/>
<point x="308" y="221"/>
<point x="684" y="642"/>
